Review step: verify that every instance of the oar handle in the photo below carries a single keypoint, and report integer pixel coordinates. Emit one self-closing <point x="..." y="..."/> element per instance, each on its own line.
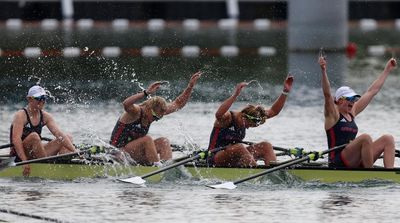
<point x="200" y="155"/>
<point x="289" y="163"/>
<point x="11" y="145"/>
<point x="47" y="158"/>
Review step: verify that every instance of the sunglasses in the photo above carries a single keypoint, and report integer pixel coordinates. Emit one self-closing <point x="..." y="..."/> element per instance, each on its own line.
<point x="255" y="120"/>
<point x="351" y="99"/>
<point x="41" y="98"/>
<point x="156" y="117"/>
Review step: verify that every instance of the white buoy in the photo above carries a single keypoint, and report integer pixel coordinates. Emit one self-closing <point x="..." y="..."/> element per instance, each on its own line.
<point x="190" y="51"/>
<point x="191" y="24"/>
<point x="111" y="51"/>
<point x="70" y="52"/>
<point x="120" y="24"/>
<point x="32" y="52"/>
<point x="266" y="51"/>
<point x="262" y="24"/>
<point x="49" y="24"/>
<point x="227" y="24"/>
<point x="229" y="51"/>
<point x="376" y="50"/>
<point x="14" y="23"/>
<point x="368" y="24"/>
<point x="155" y="24"/>
<point x="150" y="51"/>
<point x="397" y="24"/>
<point x="85" y="23"/>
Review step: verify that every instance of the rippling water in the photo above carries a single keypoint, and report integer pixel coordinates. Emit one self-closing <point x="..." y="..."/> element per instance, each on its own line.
<point x="88" y="94"/>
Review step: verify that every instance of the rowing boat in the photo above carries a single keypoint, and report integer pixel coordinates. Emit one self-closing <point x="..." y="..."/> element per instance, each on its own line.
<point x="319" y="173"/>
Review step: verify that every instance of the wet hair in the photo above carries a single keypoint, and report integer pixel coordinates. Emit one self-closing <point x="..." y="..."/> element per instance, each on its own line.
<point x="156" y="102"/>
<point x="257" y="111"/>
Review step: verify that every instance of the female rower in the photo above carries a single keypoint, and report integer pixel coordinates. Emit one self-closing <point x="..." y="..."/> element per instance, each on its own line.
<point x="130" y="131"/>
<point x="230" y="129"/>
<point x="26" y="129"/>
<point x="341" y="128"/>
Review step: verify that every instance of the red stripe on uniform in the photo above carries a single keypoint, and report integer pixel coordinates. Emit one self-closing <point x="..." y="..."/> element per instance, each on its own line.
<point x="214" y="139"/>
<point x="120" y="129"/>
<point x="332" y="136"/>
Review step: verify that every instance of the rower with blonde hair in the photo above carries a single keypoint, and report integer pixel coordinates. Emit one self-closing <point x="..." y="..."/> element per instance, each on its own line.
<point x="130" y="131"/>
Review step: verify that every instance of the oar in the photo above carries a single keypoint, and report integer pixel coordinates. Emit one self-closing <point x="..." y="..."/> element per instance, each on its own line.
<point x="312" y="156"/>
<point x="140" y="179"/>
<point x="10" y="144"/>
<point x="10" y="161"/>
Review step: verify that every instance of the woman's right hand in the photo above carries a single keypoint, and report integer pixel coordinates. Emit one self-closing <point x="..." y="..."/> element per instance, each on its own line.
<point x="391" y="64"/>
<point x="322" y="63"/>
<point x="27" y="170"/>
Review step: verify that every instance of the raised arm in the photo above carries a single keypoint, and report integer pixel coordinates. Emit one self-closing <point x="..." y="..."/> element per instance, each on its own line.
<point x="280" y="101"/>
<point x="220" y="115"/>
<point x="60" y="136"/>
<point x="129" y="103"/>
<point x="330" y="112"/>
<point x="375" y="87"/>
<point x="183" y="98"/>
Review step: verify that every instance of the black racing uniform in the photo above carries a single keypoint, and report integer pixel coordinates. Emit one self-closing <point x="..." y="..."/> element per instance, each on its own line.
<point x="341" y="133"/>
<point x="123" y="133"/>
<point x="28" y="129"/>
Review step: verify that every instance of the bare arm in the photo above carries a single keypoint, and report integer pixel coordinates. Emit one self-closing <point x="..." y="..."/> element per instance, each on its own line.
<point x="223" y="117"/>
<point x="375" y="87"/>
<point x="60" y="136"/>
<point x="129" y="103"/>
<point x="18" y="126"/>
<point x="330" y="112"/>
<point x="183" y="98"/>
<point x="277" y="106"/>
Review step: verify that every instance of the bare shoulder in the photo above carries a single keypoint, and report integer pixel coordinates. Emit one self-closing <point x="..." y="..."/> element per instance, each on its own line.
<point x="47" y="117"/>
<point x="20" y="116"/>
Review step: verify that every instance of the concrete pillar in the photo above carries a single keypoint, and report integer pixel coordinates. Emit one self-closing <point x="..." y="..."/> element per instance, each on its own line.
<point x="317" y="23"/>
<point x="67" y="8"/>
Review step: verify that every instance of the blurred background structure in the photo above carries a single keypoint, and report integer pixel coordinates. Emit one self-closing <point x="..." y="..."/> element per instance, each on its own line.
<point x="180" y="9"/>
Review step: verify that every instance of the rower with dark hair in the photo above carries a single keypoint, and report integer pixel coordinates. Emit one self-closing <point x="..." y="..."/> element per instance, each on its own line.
<point x="230" y="130"/>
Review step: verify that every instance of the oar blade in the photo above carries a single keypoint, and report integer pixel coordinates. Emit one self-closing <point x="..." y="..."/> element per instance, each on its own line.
<point x="133" y="180"/>
<point x="226" y="185"/>
<point x="8" y="162"/>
